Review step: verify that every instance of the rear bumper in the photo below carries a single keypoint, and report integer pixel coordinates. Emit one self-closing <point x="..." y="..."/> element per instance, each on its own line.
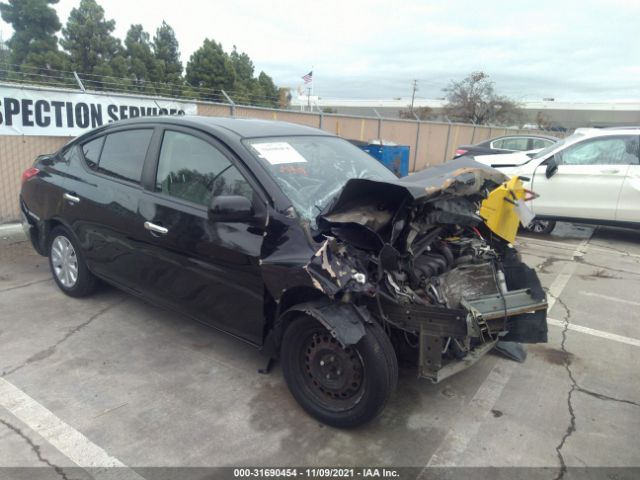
<point x="33" y="227"/>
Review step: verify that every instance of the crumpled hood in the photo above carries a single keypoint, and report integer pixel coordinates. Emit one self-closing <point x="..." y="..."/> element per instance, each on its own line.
<point x="373" y="204"/>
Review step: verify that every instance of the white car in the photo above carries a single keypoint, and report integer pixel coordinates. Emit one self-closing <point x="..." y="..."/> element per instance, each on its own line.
<point x="592" y="176"/>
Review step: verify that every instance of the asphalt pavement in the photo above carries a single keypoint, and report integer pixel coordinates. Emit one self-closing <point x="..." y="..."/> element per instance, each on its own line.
<point x="113" y="381"/>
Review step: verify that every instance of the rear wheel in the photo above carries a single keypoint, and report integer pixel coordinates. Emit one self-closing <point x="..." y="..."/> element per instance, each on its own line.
<point x="342" y="387"/>
<point x="540" y="226"/>
<point x="67" y="265"/>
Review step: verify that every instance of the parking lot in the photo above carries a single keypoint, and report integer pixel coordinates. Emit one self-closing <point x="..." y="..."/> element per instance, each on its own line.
<point x="111" y="380"/>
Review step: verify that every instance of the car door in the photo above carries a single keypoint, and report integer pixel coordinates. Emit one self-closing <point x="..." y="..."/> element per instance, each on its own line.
<point x="629" y="203"/>
<point x="587" y="182"/>
<point x="208" y="269"/>
<point x="102" y="191"/>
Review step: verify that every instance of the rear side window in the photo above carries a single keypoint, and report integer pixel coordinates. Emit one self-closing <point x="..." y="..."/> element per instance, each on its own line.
<point x="123" y="154"/>
<point x="91" y="151"/>
<point x="516" y="143"/>
<point x="192" y="169"/>
<point x="540" y="143"/>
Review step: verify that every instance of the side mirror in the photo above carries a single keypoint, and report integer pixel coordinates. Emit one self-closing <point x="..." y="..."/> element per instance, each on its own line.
<point x="552" y="167"/>
<point x="230" y="208"/>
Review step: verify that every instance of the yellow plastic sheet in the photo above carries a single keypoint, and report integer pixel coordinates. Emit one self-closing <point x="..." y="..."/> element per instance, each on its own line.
<point x="499" y="209"/>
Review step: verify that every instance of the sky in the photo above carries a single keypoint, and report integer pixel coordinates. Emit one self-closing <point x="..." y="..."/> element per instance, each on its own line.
<point x="586" y="50"/>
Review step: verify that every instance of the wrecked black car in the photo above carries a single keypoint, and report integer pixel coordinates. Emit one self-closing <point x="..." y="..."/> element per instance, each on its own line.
<point x="294" y="241"/>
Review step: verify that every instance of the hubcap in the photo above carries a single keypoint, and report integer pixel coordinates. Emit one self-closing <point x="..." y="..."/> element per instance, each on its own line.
<point x="333" y="374"/>
<point x="64" y="261"/>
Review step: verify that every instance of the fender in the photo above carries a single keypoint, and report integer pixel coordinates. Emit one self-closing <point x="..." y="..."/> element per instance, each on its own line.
<point x="345" y="321"/>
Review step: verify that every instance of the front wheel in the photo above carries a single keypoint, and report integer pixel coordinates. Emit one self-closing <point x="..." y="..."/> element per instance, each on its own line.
<point x="342" y="387"/>
<point x="540" y="226"/>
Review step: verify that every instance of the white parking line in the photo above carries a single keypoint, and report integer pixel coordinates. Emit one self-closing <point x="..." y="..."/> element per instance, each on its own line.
<point x="68" y="441"/>
<point x="596" y="333"/>
<point x="471" y="417"/>
<point x="469" y="422"/>
<point x="569" y="268"/>
<point x="10" y="227"/>
<point x="607" y="297"/>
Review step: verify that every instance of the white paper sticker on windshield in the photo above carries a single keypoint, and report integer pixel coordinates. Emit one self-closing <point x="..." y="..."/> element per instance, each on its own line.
<point x="277" y="153"/>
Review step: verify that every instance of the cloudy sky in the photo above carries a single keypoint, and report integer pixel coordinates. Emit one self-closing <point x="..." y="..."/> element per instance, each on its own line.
<point x="571" y="50"/>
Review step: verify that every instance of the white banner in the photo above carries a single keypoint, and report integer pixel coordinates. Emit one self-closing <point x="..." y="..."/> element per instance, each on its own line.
<point x="30" y="111"/>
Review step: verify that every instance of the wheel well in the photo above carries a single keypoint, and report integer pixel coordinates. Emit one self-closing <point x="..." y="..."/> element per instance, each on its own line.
<point x="278" y="323"/>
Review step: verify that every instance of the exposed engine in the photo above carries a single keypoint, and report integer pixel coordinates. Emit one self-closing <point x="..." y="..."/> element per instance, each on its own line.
<point x="422" y="260"/>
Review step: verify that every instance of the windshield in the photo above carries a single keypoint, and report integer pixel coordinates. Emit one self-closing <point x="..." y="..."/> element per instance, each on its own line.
<point x="311" y="170"/>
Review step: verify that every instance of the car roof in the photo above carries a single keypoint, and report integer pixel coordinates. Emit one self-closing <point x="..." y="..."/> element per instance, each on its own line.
<point x="240" y="127"/>
<point x="596" y="132"/>
<point x="528" y="135"/>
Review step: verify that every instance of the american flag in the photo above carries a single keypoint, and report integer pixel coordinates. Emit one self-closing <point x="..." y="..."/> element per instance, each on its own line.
<point x="308" y="78"/>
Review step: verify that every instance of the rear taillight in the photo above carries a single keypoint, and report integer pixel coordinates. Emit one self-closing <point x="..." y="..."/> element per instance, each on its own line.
<point x="29" y="173"/>
<point x="460" y="152"/>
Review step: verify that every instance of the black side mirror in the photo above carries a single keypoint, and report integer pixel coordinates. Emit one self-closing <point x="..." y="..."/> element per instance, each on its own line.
<point x="552" y="167"/>
<point x="230" y="208"/>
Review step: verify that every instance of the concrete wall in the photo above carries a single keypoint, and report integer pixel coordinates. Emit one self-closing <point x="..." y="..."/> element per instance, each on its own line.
<point x="431" y="143"/>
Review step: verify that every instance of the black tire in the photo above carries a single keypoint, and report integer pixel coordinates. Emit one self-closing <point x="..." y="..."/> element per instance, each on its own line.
<point x="370" y="371"/>
<point x="81" y="284"/>
<point x="540" y="226"/>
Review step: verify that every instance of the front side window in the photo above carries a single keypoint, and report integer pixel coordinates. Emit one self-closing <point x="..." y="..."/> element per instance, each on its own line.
<point x="194" y="170"/>
<point x="123" y="154"/>
<point x="602" y="151"/>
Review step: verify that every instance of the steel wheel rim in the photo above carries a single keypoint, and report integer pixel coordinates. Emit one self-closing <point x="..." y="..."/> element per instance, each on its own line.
<point x="538" y="226"/>
<point x="332" y="374"/>
<point x="64" y="261"/>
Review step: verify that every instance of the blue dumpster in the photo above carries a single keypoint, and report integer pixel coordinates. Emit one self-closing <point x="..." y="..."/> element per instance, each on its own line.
<point x="394" y="157"/>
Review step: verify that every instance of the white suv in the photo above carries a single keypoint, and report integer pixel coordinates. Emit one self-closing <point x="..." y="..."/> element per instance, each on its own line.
<point x="592" y="176"/>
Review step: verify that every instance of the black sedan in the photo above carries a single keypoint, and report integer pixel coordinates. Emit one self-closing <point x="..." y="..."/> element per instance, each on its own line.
<point x="293" y="241"/>
<point x="506" y="144"/>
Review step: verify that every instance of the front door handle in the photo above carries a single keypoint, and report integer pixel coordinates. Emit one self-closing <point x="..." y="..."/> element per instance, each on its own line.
<point x="70" y="197"/>
<point x="152" y="227"/>
<point x="610" y="170"/>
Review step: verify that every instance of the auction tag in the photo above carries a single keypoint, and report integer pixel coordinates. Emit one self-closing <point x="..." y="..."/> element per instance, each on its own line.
<point x="524" y="212"/>
<point x="277" y="153"/>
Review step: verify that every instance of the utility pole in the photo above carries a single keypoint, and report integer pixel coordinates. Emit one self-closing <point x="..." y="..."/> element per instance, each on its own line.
<point x="413" y="94"/>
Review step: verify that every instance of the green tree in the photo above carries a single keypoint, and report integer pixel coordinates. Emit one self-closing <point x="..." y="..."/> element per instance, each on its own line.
<point x="92" y="48"/>
<point x="5" y="60"/>
<point x="474" y="100"/>
<point x="269" y="94"/>
<point x="167" y="54"/>
<point x="242" y="64"/>
<point x="33" y="45"/>
<point x="210" y="67"/>
<point x="141" y="62"/>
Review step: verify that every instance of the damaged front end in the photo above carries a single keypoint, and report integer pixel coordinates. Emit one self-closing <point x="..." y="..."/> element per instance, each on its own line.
<point x="421" y="259"/>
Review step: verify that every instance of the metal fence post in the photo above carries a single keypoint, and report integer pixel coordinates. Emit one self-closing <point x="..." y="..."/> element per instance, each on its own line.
<point x="321" y="119"/>
<point x="79" y="81"/>
<point x="415" y="153"/>
<point x="379" y="124"/>
<point x="232" y="105"/>
<point x="446" y="147"/>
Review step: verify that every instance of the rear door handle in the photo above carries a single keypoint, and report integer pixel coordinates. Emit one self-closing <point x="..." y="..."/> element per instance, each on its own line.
<point x="152" y="227"/>
<point x="70" y="197"/>
<point x="610" y="170"/>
